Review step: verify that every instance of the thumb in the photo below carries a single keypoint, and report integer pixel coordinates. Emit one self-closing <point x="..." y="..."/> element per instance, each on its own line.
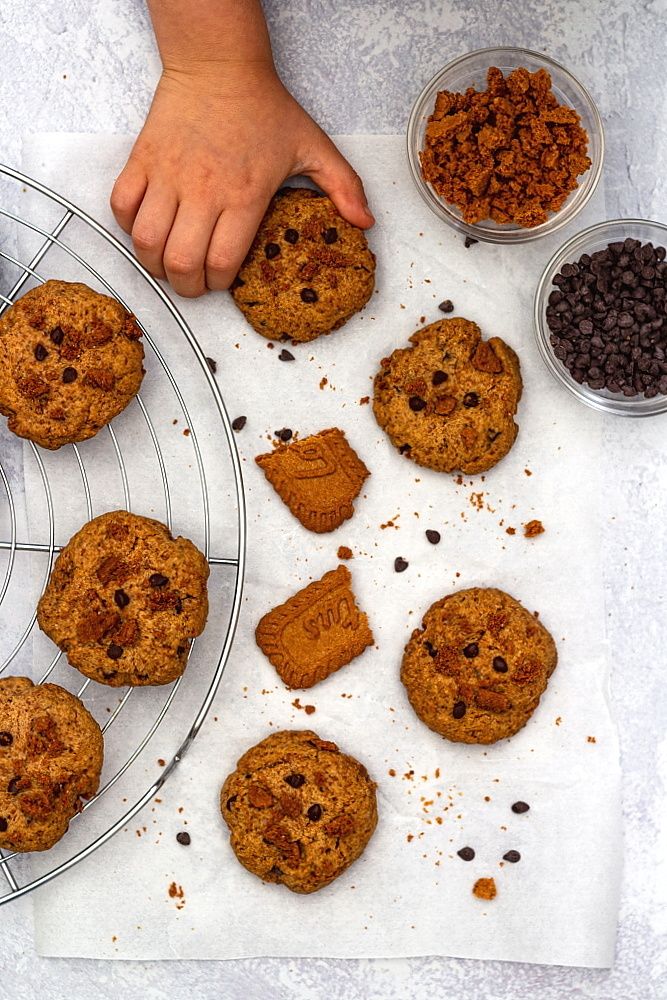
<point x="343" y="184"/>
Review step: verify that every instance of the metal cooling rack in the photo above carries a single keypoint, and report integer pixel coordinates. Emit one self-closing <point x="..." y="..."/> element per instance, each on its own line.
<point x="112" y="813"/>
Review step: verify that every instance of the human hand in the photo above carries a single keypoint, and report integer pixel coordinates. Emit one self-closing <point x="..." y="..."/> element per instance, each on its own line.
<point x="217" y="144"/>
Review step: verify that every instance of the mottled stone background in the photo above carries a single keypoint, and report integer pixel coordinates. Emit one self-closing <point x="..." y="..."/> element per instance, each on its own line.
<point x="90" y="65"/>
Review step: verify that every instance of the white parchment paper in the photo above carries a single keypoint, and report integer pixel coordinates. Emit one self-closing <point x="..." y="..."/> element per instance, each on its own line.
<point x="410" y="894"/>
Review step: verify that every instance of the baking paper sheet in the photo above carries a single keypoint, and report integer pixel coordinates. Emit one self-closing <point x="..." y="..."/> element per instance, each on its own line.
<point x="409" y="894"/>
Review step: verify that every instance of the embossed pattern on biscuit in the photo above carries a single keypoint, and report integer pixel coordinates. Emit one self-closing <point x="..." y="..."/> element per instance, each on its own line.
<point x="316" y="632"/>
<point x="318" y="478"/>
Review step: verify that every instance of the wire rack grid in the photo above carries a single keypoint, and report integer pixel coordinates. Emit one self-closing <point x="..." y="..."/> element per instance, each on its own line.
<point x="222" y="491"/>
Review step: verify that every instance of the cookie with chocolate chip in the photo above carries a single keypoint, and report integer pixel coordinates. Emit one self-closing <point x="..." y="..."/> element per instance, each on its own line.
<point x="125" y="599"/>
<point x="476" y="669"/>
<point x="449" y="401"/>
<point x="51" y="753"/>
<point x="308" y="270"/>
<point x="299" y="811"/>
<point x="71" y="362"/>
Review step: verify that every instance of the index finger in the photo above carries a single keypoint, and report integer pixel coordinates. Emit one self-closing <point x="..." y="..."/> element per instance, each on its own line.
<point x="231" y="239"/>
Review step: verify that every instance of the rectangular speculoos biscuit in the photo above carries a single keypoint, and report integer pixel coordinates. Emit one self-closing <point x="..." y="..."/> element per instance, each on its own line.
<point x="317" y="477"/>
<point x="316" y="632"/>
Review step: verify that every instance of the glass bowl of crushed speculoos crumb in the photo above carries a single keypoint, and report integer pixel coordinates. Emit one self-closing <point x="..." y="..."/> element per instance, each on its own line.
<point x="601" y="317"/>
<point x="505" y="145"/>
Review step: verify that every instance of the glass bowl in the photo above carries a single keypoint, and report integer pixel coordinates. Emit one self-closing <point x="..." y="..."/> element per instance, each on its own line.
<point x="470" y="71"/>
<point x="588" y="241"/>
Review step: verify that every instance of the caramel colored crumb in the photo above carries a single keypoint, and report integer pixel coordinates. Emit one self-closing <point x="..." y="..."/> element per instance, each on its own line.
<point x="364" y="400"/>
<point x="484" y="888"/>
<point x="533" y="528"/>
<point x="309" y="709"/>
<point x="591" y="739"/>
<point x="510" y="531"/>
<point x="344" y="552"/>
<point x="323" y="382"/>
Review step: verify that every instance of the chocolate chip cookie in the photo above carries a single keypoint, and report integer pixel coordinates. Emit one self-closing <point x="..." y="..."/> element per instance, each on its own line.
<point x="308" y="270"/>
<point x="71" y="360"/>
<point x="51" y="753"/>
<point x="448" y="402"/>
<point x="299" y="810"/>
<point x="125" y="599"/>
<point x="476" y="669"/>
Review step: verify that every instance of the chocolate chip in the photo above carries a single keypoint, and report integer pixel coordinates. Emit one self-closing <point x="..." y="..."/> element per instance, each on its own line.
<point x="180" y="650"/>
<point x="471" y="399"/>
<point x="70" y="375"/>
<point x="284" y="434"/>
<point x="3" y="824"/>
<point x="178" y="606"/>
<point x="314" y="813"/>
<point x="308" y="295"/>
<point x="469" y="242"/>
<point x="41" y="352"/>
<point x="330" y="235"/>
<point x="291" y="236"/>
<point x="271" y="250"/>
<point x="158" y="580"/>
<point x="121" y="599"/>
<point x="212" y="364"/>
<point x="459" y="710"/>
<point x="433" y="536"/>
<point x="430" y="649"/>
<point x="6" y="739"/>
<point x="400" y="564"/>
<point x="114" y="652"/>
<point x="230" y="801"/>
<point x="439" y="377"/>
<point x="295" y="780"/>
<point x="492" y="435"/>
<point x="607" y="319"/>
<point x="416" y="403"/>
<point x="447" y="306"/>
<point x="57" y="336"/>
<point x="466" y="854"/>
<point x="500" y="664"/>
<point x="520" y="807"/>
<point x="285" y="355"/>
<point x="404" y="448"/>
<point x="14" y="785"/>
<point x="512" y="857"/>
<point x="239" y="423"/>
<point x="183" y="838"/>
<point x="471" y="651"/>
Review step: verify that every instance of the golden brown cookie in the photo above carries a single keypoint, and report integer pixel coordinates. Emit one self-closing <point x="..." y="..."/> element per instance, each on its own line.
<point x="308" y="270"/>
<point x="71" y="362"/>
<point x="299" y="810"/>
<point x="448" y="402"/>
<point x="474" y="672"/>
<point x="317" y="477"/>
<point x="125" y="599"/>
<point x="51" y="752"/>
<point x="316" y="632"/>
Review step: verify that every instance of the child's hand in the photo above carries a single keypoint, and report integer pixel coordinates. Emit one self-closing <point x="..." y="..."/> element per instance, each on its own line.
<point x="217" y="143"/>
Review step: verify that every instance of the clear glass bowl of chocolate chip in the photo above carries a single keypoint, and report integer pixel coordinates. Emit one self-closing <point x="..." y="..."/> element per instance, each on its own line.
<point x="514" y="150"/>
<point x="601" y="317"/>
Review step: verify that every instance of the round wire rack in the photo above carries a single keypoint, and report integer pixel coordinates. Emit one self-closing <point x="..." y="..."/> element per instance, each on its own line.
<point x="171" y="455"/>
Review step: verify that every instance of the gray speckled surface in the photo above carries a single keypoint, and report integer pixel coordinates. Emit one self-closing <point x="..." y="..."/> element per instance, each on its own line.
<point x="89" y="65"/>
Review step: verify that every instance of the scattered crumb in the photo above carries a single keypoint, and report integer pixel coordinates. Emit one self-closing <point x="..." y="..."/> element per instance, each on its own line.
<point x="161" y="762"/>
<point x="114" y="938"/>
<point x="410" y="837"/>
<point x="175" y="421"/>
<point x="176" y="892"/>
<point x="391" y="772"/>
<point x="558" y="720"/>
<point x="591" y="739"/>
<point x="309" y="709"/>
<point x="528" y="472"/>
<point x="510" y="531"/>
<point x="533" y="528"/>
<point x="484" y="888"/>
<point x="270" y="346"/>
<point x="364" y="400"/>
<point x="344" y="552"/>
<point x="323" y="382"/>
<point x="186" y="432"/>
